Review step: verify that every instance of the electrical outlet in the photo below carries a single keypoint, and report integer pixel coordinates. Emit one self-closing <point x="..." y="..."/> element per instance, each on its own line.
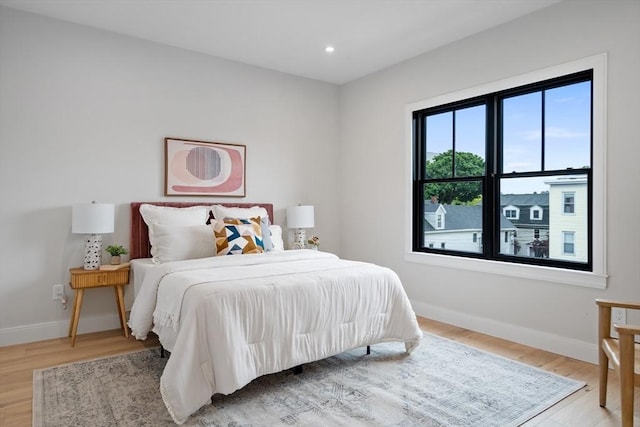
<point x="619" y="315"/>
<point x="58" y="292"/>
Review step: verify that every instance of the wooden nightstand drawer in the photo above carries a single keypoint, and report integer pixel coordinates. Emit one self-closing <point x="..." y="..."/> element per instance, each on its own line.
<point x="95" y="278"/>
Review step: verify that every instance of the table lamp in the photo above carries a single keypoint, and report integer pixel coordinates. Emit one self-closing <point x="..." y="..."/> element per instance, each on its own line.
<point x="94" y="219"/>
<point x="300" y="217"/>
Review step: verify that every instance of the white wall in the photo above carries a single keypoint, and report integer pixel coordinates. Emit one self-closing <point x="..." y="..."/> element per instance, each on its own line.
<point x="83" y="114"/>
<point x="553" y="316"/>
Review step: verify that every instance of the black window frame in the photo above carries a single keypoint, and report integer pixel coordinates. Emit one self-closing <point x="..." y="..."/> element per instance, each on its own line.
<point x="491" y="209"/>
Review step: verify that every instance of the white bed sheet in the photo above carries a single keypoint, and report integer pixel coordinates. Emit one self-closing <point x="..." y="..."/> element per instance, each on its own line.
<point x="139" y="269"/>
<point x="229" y="320"/>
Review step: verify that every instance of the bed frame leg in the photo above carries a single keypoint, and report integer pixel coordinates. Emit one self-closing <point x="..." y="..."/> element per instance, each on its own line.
<point x="368" y="349"/>
<point x="297" y="370"/>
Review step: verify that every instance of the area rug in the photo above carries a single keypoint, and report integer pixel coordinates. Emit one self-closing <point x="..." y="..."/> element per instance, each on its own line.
<point x="442" y="383"/>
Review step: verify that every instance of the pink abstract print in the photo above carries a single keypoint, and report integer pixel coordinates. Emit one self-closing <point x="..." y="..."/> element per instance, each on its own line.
<point x="204" y="168"/>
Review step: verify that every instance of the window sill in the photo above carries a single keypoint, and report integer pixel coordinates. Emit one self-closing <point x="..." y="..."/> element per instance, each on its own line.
<point x="544" y="274"/>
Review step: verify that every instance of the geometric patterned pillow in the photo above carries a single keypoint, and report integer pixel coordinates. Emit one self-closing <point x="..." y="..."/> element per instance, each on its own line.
<point x="264" y="223"/>
<point x="238" y="236"/>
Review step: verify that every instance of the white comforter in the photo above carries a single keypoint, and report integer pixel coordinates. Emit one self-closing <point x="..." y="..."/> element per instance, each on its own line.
<point x="228" y="320"/>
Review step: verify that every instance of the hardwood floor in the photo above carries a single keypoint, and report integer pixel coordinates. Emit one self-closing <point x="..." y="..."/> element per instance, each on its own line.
<point x="580" y="409"/>
<point x="17" y="363"/>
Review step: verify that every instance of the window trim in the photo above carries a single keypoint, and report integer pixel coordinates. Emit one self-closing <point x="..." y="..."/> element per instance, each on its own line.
<point x="538" y="209"/>
<point x="597" y="278"/>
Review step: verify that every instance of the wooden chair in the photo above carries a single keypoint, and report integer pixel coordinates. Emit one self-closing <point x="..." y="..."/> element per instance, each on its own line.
<point x="622" y="353"/>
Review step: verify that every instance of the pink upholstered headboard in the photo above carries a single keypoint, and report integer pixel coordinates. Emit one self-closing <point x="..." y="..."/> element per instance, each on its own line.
<point x="140" y="247"/>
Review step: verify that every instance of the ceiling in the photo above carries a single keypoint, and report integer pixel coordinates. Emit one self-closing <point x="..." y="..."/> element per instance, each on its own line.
<point x="291" y="35"/>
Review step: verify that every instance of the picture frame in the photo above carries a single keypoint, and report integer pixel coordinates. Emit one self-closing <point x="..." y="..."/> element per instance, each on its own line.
<point x="204" y="168"/>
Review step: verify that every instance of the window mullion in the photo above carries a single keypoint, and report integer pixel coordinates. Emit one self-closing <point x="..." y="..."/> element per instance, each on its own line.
<point x="419" y="176"/>
<point x="542" y="130"/>
<point x="453" y="145"/>
<point x="493" y="156"/>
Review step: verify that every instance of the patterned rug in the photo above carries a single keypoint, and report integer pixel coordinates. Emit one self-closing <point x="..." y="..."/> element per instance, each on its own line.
<point x="442" y="383"/>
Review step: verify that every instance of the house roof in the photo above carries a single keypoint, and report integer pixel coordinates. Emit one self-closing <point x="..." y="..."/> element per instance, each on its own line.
<point x="430" y="207"/>
<point x="462" y="217"/>
<point x="540" y="199"/>
<point x="525" y="202"/>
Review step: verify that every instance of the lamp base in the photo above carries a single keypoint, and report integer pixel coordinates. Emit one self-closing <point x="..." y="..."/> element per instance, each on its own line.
<point x="92" y="252"/>
<point x="299" y="236"/>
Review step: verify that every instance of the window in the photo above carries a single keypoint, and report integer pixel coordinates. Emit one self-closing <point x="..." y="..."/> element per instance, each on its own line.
<point x="568" y="242"/>
<point x="511" y="212"/>
<point x="475" y="237"/>
<point x="527" y="142"/>
<point x="536" y="213"/>
<point x="568" y="200"/>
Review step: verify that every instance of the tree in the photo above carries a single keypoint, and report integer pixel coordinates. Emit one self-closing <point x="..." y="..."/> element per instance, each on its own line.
<point x="467" y="165"/>
<point x="540" y="248"/>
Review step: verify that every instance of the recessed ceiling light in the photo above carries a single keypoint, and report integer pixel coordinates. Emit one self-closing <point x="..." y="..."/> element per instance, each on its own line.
<point x="329" y="49"/>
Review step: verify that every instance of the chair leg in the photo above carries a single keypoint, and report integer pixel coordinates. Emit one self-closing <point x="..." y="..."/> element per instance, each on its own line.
<point x="626" y="378"/>
<point x="603" y="362"/>
<point x="604" y="330"/>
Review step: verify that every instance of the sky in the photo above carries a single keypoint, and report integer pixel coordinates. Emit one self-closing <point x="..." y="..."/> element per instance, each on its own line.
<point x="567" y="133"/>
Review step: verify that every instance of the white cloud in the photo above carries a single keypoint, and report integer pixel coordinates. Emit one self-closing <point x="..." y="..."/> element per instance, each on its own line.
<point x="552" y="132"/>
<point x="531" y="135"/>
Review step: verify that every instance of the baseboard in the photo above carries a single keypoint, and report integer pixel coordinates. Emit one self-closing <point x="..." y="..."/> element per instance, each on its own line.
<point x="573" y="348"/>
<point x="57" y="329"/>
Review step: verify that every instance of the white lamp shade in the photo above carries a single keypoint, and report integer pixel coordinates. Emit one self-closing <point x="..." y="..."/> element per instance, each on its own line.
<point x="92" y="218"/>
<point x="300" y="217"/>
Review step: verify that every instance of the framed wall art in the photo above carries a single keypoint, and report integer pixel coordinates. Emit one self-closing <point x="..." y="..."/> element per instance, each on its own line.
<point x="200" y="168"/>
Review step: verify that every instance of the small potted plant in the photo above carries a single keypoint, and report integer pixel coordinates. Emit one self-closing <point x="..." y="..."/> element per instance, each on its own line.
<point x="115" y="251"/>
<point x="314" y="241"/>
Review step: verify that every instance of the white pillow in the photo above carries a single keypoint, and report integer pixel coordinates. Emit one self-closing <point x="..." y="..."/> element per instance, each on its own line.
<point x="221" y="212"/>
<point x="276" y="237"/>
<point x="179" y="242"/>
<point x="154" y="215"/>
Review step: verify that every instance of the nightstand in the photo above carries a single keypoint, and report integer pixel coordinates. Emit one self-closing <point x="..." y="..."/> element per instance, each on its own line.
<point x="85" y="279"/>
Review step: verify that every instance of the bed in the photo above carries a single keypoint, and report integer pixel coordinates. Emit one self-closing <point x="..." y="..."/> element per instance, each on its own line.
<point x="227" y="320"/>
